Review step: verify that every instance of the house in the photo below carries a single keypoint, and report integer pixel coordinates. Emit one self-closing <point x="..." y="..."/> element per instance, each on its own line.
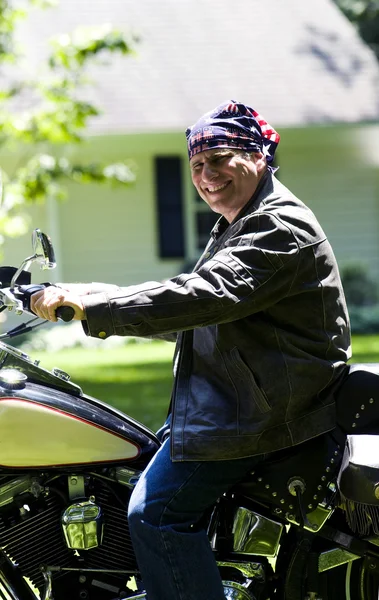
<point x="300" y="64"/>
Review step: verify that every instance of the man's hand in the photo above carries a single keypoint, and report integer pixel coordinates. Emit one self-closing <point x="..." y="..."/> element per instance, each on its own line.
<point x="45" y="303"/>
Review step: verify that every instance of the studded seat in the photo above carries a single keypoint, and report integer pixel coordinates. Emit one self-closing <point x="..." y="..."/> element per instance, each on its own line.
<point x="357" y="401"/>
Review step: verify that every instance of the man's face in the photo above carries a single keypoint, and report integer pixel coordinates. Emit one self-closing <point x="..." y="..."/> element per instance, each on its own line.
<point x="226" y="179"/>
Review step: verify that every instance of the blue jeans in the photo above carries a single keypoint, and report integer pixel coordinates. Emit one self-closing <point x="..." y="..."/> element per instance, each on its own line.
<point x="173" y="552"/>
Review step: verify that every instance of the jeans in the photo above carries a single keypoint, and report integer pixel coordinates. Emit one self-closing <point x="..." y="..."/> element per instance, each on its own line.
<point x="172" y="550"/>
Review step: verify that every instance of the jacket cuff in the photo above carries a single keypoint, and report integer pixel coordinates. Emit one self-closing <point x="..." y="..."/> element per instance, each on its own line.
<point x="98" y="323"/>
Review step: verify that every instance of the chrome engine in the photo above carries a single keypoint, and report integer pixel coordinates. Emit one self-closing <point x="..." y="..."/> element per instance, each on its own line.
<point x="41" y="524"/>
<point x="83" y="525"/>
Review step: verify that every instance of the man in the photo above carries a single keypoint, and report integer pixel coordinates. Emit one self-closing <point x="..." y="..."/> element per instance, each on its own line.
<point x="263" y="339"/>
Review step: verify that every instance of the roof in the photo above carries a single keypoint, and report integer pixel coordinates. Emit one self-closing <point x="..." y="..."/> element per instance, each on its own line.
<point x="296" y="62"/>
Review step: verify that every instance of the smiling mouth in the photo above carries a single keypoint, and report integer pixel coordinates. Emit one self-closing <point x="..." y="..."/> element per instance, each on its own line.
<point x="217" y="188"/>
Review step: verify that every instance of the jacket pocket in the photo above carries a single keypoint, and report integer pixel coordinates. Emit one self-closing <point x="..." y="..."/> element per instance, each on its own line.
<point x="245" y="380"/>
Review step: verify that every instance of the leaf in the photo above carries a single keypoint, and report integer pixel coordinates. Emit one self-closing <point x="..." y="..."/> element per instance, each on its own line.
<point x="58" y="116"/>
<point x="74" y="51"/>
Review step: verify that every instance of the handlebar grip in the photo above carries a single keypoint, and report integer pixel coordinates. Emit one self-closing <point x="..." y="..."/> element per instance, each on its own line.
<point x="65" y="313"/>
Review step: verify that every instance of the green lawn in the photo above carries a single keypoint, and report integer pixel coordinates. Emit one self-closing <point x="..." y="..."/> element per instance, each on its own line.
<point x="365" y="349"/>
<point x="137" y="378"/>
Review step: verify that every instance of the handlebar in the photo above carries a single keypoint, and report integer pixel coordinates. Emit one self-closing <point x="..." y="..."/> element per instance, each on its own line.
<point x="15" y="284"/>
<point x="65" y="313"/>
<point x="25" y="292"/>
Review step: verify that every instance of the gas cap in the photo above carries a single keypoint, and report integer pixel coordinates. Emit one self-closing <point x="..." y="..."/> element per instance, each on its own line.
<point x="11" y="379"/>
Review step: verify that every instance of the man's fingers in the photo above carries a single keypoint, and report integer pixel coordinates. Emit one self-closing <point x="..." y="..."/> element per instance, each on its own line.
<point x="45" y="303"/>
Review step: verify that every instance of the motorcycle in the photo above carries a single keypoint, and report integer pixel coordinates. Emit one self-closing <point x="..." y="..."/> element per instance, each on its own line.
<point x="303" y="525"/>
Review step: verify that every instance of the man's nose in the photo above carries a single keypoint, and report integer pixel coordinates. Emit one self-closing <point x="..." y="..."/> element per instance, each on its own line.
<point x="209" y="173"/>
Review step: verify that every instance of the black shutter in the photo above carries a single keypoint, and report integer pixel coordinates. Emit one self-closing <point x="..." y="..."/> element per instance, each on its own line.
<point x="168" y="177"/>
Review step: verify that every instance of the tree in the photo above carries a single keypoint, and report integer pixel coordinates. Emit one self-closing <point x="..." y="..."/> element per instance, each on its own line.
<point x="365" y="16"/>
<point x="56" y="117"/>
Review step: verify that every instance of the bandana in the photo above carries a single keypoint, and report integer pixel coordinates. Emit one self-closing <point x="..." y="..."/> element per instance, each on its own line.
<point x="233" y="125"/>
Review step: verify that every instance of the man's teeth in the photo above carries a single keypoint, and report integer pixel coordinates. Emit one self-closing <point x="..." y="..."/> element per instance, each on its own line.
<point x="217" y="187"/>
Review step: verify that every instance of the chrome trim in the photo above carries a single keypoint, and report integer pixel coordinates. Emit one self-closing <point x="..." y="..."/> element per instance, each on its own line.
<point x="48" y="570"/>
<point x="12" y="379"/>
<point x="128" y="477"/>
<point x="255" y="534"/>
<point x="372" y="539"/>
<point x="53" y="569"/>
<point x="232" y="591"/>
<point x="334" y="558"/>
<point x="247" y="569"/>
<point x="14" y="488"/>
<point x="6" y="589"/>
<point x="82" y="525"/>
<point x="48" y="577"/>
<point x="317" y="518"/>
<point x="236" y="591"/>
<point x="60" y="374"/>
<point x="76" y="486"/>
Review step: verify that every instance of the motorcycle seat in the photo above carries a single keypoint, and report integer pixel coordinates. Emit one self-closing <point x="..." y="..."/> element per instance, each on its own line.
<point x="357" y="400"/>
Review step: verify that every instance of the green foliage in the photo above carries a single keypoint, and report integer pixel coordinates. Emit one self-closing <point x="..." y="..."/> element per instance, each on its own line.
<point x="8" y="19"/>
<point x="365" y="16"/>
<point x="73" y="52"/>
<point x="364" y="319"/>
<point x="359" y="287"/>
<point x="361" y="293"/>
<point x="38" y="178"/>
<point x="58" y="115"/>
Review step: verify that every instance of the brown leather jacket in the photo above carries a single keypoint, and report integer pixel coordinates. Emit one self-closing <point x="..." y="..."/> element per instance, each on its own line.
<point x="264" y="331"/>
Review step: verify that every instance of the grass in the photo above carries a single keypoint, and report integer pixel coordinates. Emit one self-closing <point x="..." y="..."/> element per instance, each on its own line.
<point x="137" y="378"/>
<point x="365" y="349"/>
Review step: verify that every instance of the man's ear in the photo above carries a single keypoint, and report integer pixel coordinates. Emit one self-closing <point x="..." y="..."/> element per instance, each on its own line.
<point x="260" y="161"/>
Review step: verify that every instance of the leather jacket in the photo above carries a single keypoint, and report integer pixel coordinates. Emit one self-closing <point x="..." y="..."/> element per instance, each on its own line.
<point x="263" y="328"/>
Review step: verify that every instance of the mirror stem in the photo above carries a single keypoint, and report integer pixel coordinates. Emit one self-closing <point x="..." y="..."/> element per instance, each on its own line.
<point x="24" y="265"/>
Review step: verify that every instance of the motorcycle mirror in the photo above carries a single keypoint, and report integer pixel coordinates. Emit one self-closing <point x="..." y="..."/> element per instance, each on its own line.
<point x="43" y="254"/>
<point x="43" y="250"/>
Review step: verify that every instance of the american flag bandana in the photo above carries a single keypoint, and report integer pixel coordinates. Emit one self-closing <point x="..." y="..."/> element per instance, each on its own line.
<point x="233" y="125"/>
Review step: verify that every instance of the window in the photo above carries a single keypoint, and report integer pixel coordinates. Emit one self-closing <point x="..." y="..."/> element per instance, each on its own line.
<point x="169" y="190"/>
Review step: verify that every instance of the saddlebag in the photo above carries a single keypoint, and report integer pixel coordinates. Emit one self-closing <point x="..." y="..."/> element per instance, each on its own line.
<point x="314" y="464"/>
<point x="359" y="483"/>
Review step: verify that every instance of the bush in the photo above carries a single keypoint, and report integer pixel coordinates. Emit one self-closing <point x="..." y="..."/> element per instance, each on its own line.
<point x="360" y="288"/>
<point x="364" y="319"/>
<point x="361" y="293"/>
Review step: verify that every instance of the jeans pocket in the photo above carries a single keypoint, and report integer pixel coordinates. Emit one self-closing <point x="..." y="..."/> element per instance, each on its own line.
<point x="246" y="380"/>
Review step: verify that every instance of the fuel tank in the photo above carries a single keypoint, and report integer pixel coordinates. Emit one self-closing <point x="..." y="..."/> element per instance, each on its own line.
<point x="46" y="421"/>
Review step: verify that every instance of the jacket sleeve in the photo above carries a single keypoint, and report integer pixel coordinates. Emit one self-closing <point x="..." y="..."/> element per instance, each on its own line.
<point x="254" y="269"/>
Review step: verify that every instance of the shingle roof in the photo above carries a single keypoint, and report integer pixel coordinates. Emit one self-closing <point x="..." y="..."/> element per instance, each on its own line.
<point x="295" y="61"/>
